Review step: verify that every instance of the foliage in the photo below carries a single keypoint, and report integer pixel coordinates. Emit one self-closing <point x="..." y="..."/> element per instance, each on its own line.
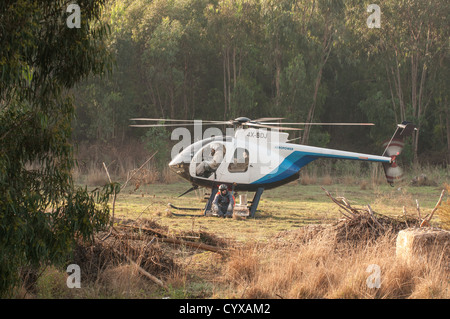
<point x="156" y="140"/>
<point x="42" y="214"/>
<point x="309" y="61"/>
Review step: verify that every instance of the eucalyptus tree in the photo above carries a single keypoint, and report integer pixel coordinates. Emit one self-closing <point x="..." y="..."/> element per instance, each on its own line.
<point x="407" y="52"/>
<point x="42" y="56"/>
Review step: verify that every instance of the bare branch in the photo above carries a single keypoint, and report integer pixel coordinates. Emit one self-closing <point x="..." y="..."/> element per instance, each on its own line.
<point x="406" y="217"/>
<point x="134" y="173"/>
<point x="373" y="216"/>
<point x="338" y="203"/>
<point x="428" y="218"/>
<point x="113" y="204"/>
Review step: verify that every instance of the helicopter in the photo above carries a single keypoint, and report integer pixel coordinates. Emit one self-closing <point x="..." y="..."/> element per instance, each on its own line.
<point x="260" y="157"/>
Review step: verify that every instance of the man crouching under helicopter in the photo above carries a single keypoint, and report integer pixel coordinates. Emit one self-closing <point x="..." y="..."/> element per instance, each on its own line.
<point x="223" y="203"/>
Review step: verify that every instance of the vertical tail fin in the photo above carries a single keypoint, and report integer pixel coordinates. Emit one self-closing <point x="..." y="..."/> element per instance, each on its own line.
<point x="393" y="148"/>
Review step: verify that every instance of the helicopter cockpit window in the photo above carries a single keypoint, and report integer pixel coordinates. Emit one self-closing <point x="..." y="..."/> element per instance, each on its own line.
<point x="239" y="162"/>
<point x="212" y="157"/>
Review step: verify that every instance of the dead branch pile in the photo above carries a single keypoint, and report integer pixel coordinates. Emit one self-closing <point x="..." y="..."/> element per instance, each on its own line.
<point x="94" y="259"/>
<point x="364" y="224"/>
<point x="364" y="227"/>
<point x="358" y="226"/>
<point x="142" y="245"/>
<point x="196" y="239"/>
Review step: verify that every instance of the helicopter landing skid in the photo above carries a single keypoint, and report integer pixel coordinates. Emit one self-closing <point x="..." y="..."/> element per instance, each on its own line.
<point x="185" y="208"/>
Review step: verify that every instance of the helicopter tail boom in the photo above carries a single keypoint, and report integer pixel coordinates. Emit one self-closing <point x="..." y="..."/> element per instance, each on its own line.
<point x="301" y="155"/>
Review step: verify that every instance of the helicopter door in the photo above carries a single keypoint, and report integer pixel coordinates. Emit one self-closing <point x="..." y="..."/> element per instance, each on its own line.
<point x="206" y="162"/>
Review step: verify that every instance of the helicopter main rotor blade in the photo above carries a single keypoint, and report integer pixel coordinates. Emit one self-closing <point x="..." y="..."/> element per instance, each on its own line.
<point x="167" y="125"/>
<point x="177" y="120"/>
<point x="274" y="127"/>
<point x="264" y="119"/>
<point x="344" y="124"/>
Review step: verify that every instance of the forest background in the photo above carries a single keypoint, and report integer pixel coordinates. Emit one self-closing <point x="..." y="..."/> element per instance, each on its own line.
<point x="308" y="61"/>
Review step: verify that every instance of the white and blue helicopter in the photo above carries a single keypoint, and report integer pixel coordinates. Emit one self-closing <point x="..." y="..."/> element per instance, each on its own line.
<point x="259" y="157"/>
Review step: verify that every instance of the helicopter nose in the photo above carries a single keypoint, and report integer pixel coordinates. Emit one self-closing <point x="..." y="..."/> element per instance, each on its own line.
<point x="173" y="162"/>
<point x="180" y="168"/>
<point x="175" y="165"/>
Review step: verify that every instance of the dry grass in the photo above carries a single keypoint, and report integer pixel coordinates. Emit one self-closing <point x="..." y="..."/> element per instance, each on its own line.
<point x="320" y="267"/>
<point x="444" y="211"/>
<point x="315" y="261"/>
<point x="307" y="178"/>
<point x="96" y="177"/>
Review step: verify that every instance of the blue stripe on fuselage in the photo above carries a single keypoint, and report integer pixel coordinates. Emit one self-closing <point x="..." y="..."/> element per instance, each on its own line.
<point x="290" y="165"/>
<point x="293" y="163"/>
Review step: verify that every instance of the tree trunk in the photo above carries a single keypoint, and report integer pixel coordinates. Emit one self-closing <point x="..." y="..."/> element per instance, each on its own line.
<point x="277" y="72"/>
<point x="312" y="108"/>
<point x="398" y="88"/>
<point x="234" y="68"/>
<point x="229" y="81"/>
<point x="225" y="99"/>
<point x="392" y="94"/>
<point x="185" y="100"/>
<point x="326" y="50"/>
<point x="448" y="128"/>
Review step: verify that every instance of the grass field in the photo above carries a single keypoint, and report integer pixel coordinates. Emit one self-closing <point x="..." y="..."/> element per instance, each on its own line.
<point x="287" y="207"/>
<point x="267" y="256"/>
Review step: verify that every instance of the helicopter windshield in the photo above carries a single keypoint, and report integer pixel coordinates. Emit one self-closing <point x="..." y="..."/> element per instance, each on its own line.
<point x="186" y="155"/>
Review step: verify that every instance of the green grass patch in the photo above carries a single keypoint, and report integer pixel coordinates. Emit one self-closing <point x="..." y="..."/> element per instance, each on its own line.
<point x="286" y="207"/>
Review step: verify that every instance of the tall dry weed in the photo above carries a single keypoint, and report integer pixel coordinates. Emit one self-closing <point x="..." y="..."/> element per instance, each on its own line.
<point x="444" y="211"/>
<point x="319" y="268"/>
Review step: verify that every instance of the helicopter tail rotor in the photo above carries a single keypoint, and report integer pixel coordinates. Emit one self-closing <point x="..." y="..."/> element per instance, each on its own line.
<point x="393" y="148"/>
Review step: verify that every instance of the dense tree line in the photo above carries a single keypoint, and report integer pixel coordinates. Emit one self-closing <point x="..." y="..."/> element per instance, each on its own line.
<point x="306" y="60"/>
<point x="314" y="60"/>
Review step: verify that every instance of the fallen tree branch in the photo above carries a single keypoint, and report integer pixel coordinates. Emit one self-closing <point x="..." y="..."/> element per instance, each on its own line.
<point x="147" y="229"/>
<point x="141" y="270"/>
<point x="347" y="209"/>
<point x="373" y="216"/>
<point x="427" y="219"/>
<point x="192" y="244"/>
<point x="165" y="238"/>
<point x="346" y="216"/>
